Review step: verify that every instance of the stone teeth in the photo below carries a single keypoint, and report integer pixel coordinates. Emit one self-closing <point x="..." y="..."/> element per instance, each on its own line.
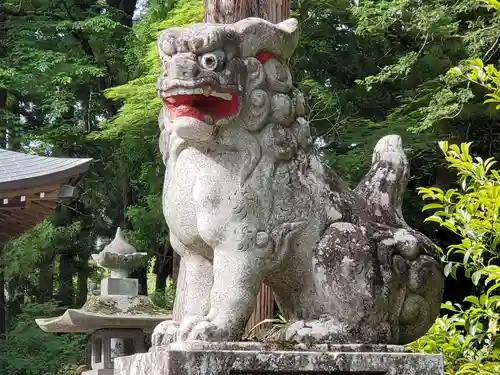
<point x="207" y="90"/>
<point x="171" y="92"/>
<point x="182" y="91"/>
<point x="222" y="95"/>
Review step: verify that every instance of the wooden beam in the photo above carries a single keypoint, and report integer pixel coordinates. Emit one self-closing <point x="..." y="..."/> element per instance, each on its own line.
<point x="16" y="220"/>
<point x="15" y="223"/>
<point x="55" y="186"/>
<point x="23" y="214"/>
<point x="22" y="200"/>
<point x="9" y="203"/>
<point x="47" y="206"/>
<point x="263" y="310"/>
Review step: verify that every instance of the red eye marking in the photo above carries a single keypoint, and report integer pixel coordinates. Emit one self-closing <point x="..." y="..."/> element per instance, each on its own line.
<point x="264" y="56"/>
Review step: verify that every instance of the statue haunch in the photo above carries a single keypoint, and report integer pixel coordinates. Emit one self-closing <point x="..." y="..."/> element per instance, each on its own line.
<point x="247" y="201"/>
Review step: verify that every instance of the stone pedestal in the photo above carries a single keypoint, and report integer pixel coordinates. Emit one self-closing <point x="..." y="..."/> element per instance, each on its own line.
<point x="109" y="344"/>
<point x="245" y="358"/>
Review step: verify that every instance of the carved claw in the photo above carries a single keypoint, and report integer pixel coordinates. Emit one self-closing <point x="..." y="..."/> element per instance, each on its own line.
<point x="207" y="331"/>
<point x="165" y="333"/>
<point x="201" y="328"/>
<point x="188" y="324"/>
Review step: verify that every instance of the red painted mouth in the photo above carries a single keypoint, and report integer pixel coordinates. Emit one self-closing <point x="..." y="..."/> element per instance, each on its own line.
<point x="199" y="106"/>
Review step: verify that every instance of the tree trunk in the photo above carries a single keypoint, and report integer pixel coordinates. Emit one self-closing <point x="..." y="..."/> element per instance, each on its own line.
<point x="163" y="267"/>
<point x="14" y="302"/>
<point x="82" y="289"/>
<point x="3" y="144"/>
<point x="66" y="290"/>
<point x="3" y="103"/>
<point x="230" y="11"/>
<point x="3" y="92"/>
<point x="3" y="307"/>
<point x="141" y="274"/>
<point x="46" y="279"/>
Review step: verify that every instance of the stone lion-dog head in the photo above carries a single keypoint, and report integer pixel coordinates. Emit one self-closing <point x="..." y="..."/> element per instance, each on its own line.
<point x="217" y="76"/>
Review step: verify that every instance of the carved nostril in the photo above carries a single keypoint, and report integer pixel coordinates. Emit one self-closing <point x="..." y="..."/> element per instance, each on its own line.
<point x="185" y="69"/>
<point x="194" y="70"/>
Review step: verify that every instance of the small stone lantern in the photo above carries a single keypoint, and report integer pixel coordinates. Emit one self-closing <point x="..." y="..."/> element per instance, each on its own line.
<point x="119" y="317"/>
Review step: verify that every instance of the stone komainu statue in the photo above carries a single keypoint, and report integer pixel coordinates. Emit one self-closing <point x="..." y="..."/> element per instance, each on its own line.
<point x="248" y="201"/>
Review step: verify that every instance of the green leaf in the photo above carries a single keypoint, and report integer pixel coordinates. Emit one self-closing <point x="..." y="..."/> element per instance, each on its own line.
<point x="432" y="206"/>
<point x="447" y="269"/>
<point x="472" y="299"/>
<point x="435" y="219"/>
<point x="476" y="276"/>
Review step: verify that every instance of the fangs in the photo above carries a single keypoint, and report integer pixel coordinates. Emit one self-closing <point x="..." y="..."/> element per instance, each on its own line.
<point x="207" y="91"/>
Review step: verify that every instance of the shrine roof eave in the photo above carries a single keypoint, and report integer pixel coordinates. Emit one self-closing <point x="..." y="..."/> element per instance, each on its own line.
<point x="22" y="171"/>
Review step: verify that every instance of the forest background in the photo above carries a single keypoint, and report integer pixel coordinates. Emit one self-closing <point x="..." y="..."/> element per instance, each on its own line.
<point x="77" y="79"/>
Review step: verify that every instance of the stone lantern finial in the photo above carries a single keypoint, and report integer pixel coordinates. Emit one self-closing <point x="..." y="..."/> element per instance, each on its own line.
<point x="120" y="257"/>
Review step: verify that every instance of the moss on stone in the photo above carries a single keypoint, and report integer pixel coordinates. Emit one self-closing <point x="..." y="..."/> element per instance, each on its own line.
<point x="282" y="345"/>
<point x="143" y="305"/>
<point x="100" y="305"/>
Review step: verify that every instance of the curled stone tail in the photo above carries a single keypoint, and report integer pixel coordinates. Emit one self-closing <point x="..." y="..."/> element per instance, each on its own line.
<point x="384" y="185"/>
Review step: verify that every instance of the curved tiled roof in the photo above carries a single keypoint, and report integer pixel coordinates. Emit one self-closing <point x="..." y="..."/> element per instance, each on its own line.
<point x="19" y="170"/>
<point x="31" y="186"/>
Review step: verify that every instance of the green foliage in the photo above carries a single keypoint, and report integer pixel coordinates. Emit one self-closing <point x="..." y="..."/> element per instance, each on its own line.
<point x="494" y="4"/>
<point x="439" y="33"/>
<point x="24" y="254"/>
<point x="26" y="350"/>
<point x="468" y="338"/>
<point x="470" y="212"/>
<point x="72" y="51"/>
<point x="486" y="76"/>
<point x="164" y="299"/>
<point x="140" y="102"/>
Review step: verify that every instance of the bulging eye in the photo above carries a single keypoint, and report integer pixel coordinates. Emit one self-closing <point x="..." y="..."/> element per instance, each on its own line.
<point x="213" y="60"/>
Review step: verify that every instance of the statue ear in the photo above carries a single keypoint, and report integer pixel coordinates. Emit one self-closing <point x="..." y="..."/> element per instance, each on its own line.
<point x="256" y="35"/>
<point x="290" y="26"/>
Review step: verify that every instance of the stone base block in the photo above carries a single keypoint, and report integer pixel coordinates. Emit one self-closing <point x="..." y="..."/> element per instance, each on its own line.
<point x="106" y="371"/>
<point x="248" y="358"/>
<point x="119" y="287"/>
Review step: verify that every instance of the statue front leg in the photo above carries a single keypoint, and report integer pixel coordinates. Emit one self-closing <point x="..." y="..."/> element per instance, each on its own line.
<point x="192" y="295"/>
<point x="237" y="276"/>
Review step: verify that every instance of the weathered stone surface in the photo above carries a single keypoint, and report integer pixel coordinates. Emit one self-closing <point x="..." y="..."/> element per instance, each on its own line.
<point x="117" y="286"/>
<point x="197" y="358"/>
<point x="247" y="200"/>
<point x="107" y="371"/>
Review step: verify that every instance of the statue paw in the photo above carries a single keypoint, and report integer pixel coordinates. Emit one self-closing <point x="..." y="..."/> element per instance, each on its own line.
<point x="208" y="331"/>
<point x="323" y="330"/>
<point x="201" y="328"/>
<point x="165" y="333"/>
